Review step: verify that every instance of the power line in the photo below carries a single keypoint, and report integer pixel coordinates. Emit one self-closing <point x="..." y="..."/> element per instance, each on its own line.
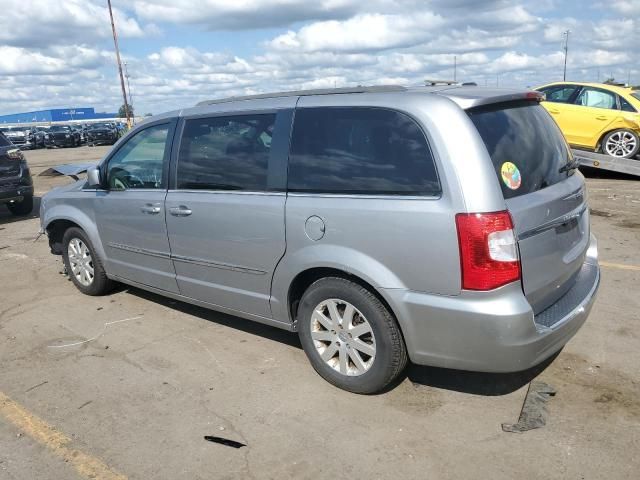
<point x="126" y="75"/>
<point x="115" y="42"/>
<point x="566" y="52"/>
<point x="455" y="68"/>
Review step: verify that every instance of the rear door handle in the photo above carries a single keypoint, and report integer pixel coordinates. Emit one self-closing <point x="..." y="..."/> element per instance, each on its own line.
<point x="181" y="211"/>
<point x="150" y="208"/>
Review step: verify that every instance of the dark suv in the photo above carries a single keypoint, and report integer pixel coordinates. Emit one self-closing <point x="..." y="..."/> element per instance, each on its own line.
<point x="61" y="136"/>
<point x="16" y="187"/>
<point x="102" y="134"/>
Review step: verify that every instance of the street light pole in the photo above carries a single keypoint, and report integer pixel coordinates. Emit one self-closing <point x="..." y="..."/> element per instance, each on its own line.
<point x="126" y="75"/>
<point x="566" y="51"/>
<point x="115" y="42"/>
<point x="455" y="68"/>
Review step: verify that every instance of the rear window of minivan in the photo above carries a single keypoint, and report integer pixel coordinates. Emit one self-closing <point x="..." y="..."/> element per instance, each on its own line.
<point x="526" y="146"/>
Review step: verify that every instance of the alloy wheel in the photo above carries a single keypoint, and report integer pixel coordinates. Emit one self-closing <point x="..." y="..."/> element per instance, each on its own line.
<point x="80" y="262"/>
<point x="343" y="337"/>
<point x="621" y="144"/>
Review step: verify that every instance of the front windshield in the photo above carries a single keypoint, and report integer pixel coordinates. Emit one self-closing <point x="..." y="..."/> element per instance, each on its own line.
<point x="99" y="125"/>
<point x="60" y="128"/>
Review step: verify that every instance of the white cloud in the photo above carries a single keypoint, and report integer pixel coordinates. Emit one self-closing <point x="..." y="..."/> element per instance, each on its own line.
<point x="57" y="53"/>
<point x="626" y="7"/>
<point x="39" y="23"/>
<point x="357" y="33"/>
<point x="242" y="14"/>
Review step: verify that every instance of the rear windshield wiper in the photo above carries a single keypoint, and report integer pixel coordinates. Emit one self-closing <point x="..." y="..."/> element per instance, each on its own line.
<point x="569" y="166"/>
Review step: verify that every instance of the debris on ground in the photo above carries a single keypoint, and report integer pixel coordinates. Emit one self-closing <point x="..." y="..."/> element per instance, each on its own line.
<point x="534" y="409"/>
<point x="224" y="441"/>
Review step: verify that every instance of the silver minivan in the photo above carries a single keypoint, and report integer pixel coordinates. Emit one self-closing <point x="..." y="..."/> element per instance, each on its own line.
<point x="447" y="225"/>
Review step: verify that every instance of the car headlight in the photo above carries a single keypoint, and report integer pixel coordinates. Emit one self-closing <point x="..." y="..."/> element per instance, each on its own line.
<point x="46" y="137"/>
<point x="67" y="136"/>
<point x="15" y="154"/>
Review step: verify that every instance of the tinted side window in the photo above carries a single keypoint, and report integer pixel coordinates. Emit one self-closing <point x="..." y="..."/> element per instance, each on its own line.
<point x="360" y="151"/>
<point x="626" y="106"/>
<point x="559" y="94"/>
<point x="596" y="98"/>
<point x="226" y="153"/>
<point x="139" y="162"/>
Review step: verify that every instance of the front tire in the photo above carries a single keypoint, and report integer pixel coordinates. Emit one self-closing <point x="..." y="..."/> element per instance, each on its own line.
<point x="84" y="266"/>
<point x="351" y="339"/>
<point x="20" y="209"/>
<point x="622" y="143"/>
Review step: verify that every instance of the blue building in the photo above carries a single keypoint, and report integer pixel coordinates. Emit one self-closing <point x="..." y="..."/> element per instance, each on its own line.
<point x="55" y="115"/>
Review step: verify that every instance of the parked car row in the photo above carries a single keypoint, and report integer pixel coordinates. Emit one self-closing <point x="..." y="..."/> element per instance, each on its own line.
<point x="64" y="135"/>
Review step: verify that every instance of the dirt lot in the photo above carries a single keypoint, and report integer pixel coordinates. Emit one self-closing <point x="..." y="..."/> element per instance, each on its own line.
<point x="137" y="400"/>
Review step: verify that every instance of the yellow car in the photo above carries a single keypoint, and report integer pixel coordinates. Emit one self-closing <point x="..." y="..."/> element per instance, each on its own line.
<point x="596" y="116"/>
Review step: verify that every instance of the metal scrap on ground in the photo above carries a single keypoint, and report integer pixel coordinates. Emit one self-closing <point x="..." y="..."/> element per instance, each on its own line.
<point x="534" y="410"/>
<point x="69" y="169"/>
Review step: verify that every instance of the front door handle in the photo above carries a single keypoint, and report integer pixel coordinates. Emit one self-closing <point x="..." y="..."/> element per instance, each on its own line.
<point x="601" y="117"/>
<point x="181" y="211"/>
<point x="150" y="208"/>
<point x="551" y="110"/>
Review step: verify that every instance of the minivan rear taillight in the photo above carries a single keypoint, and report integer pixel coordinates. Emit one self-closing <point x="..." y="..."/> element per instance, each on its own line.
<point x="488" y="250"/>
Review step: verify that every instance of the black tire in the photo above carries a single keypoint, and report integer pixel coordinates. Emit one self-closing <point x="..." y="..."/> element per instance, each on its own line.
<point x="101" y="284"/>
<point x="20" y="209"/>
<point x="391" y="353"/>
<point x="624" y="131"/>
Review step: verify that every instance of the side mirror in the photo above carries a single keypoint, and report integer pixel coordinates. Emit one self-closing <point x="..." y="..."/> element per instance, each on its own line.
<point x="93" y="177"/>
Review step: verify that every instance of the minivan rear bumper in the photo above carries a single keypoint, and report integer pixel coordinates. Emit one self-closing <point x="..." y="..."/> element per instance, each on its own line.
<point x="493" y="331"/>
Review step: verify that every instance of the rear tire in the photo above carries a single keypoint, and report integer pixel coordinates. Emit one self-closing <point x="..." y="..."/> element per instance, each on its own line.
<point x="20" y="209"/>
<point x="84" y="266"/>
<point x="364" y="350"/>
<point x="621" y="143"/>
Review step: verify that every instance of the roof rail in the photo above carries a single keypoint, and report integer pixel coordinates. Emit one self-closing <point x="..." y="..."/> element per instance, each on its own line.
<point x="304" y="93"/>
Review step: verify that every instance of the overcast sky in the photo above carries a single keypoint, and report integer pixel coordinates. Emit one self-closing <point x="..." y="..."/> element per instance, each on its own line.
<point x="59" y="53"/>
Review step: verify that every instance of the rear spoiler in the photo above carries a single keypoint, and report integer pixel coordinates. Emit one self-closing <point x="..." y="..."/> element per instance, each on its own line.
<point x="69" y="169"/>
<point x="468" y="98"/>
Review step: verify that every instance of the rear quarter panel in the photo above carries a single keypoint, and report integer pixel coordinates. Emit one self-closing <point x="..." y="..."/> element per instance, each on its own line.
<point x="394" y="242"/>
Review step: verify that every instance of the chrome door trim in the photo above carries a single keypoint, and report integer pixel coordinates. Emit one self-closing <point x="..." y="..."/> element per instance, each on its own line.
<point x="143" y="251"/>
<point x="222" y="266"/>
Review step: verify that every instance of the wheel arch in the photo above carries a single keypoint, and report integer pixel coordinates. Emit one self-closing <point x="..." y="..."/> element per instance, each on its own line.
<point x="599" y="146"/>
<point x="303" y="280"/>
<point x="63" y="217"/>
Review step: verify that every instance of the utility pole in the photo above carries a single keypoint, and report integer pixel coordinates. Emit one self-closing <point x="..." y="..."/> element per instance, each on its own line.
<point x="126" y="75"/>
<point x="566" y="51"/>
<point x="115" y="42"/>
<point x="455" y="68"/>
